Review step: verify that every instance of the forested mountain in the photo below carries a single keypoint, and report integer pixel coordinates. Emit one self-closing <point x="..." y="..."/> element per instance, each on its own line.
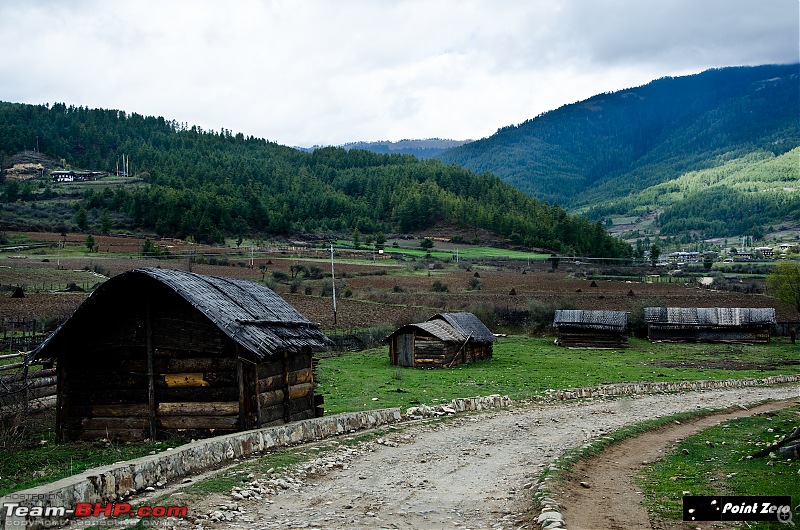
<point x="427" y="148"/>
<point x="590" y="155"/>
<point x="210" y="184"/>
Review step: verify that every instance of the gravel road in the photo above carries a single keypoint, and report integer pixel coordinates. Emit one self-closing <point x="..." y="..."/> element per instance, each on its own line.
<point x="468" y="472"/>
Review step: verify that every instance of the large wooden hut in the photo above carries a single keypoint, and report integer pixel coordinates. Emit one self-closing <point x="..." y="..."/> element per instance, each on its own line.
<point x="155" y="353"/>
<point x="591" y="329"/>
<point x="709" y="324"/>
<point x="444" y="340"/>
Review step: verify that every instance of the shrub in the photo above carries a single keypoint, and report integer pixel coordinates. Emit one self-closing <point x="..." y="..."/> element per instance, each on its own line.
<point x="540" y="314"/>
<point x="439" y="287"/>
<point x="475" y="283"/>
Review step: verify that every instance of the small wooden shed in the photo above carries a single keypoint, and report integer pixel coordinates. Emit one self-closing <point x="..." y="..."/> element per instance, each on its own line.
<point x="709" y="324"/>
<point x="444" y="340"/>
<point x="591" y="329"/>
<point x="158" y="353"/>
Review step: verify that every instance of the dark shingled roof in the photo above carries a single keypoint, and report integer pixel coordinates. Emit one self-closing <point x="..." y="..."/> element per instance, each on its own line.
<point x="603" y="320"/>
<point x="710" y="316"/>
<point x="249" y="313"/>
<point x="439" y="329"/>
<point x="466" y="324"/>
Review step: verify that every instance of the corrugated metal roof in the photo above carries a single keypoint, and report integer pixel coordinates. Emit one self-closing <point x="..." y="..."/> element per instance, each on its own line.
<point x="710" y="316"/>
<point x="607" y="320"/>
<point x="466" y="324"/>
<point x="249" y="313"/>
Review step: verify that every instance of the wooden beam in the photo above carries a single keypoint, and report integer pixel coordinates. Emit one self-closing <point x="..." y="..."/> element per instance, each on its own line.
<point x="151" y="383"/>
<point x="199" y="408"/>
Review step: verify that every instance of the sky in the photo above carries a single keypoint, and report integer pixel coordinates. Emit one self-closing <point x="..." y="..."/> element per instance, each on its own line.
<point x="329" y="72"/>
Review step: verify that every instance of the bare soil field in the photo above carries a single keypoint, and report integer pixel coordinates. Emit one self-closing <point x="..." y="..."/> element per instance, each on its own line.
<point x="384" y="292"/>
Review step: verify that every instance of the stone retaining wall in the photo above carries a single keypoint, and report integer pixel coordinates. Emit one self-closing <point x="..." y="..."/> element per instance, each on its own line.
<point x="117" y="482"/>
<point x="621" y="389"/>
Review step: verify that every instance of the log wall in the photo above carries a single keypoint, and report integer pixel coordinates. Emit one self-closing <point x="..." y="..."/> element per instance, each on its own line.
<point x="201" y="382"/>
<point x="432" y="352"/>
<point x="744" y="334"/>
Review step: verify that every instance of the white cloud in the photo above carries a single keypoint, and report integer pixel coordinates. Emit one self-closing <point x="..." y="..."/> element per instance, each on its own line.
<point x="309" y="72"/>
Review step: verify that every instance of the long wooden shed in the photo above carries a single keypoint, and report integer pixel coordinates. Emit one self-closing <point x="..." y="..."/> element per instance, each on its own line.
<point x="156" y="353"/>
<point x="579" y="328"/>
<point x="709" y="324"/>
<point x="444" y="340"/>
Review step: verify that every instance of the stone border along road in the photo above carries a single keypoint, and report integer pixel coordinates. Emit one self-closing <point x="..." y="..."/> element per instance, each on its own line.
<point x="476" y="471"/>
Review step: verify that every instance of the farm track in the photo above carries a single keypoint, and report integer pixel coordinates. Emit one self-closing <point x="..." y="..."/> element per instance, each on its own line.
<point x="471" y="472"/>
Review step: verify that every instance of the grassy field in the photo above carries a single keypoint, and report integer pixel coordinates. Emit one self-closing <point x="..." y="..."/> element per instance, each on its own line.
<point x="524" y="366"/>
<point x="715" y="462"/>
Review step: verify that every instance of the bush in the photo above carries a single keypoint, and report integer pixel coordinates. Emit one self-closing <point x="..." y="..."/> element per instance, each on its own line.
<point x="327" y="288"/>
<point x="439" y="287"/>
<point x="279" y="276"/>
<point x="540" y="314"/>
<point x="475" y="283"/>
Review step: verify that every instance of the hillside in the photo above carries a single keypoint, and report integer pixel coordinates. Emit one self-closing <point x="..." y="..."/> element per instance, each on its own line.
<point x="427" y="148"/>
<point x="739" y="196"/>
<point x="210" y="185"/>
<point x="597" y="155"/>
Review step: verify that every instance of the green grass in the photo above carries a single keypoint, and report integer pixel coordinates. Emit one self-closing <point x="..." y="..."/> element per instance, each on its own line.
<point x="46" y="278"/>
<point x="464" y="252"/>
<point x="715" y="462"/>
<point x="467" y="253"/>
<point x="39" y="460"/>
<point x="524" y="367"/>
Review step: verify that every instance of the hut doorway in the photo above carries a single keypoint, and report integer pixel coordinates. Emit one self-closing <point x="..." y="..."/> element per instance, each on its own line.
<point x="405" y="349"/>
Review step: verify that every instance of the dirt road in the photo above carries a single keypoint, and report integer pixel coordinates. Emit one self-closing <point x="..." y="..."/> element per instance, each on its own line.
<point x="470" y="472"/>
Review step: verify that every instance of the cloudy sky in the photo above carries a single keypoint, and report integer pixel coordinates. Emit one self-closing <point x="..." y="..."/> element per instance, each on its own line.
<point x="322" y="72"/>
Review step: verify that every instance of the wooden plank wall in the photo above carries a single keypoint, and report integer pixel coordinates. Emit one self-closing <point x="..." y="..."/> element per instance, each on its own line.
<point x="758" y="334"/>
<point x="196" y="372"/>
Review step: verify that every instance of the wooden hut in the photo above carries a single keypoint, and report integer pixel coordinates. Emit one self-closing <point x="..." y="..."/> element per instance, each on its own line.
<point x="709" y="324"/>
<point x="591" y="329"/>
<point x="444" y="340"/>
<point x="155" y="353"/>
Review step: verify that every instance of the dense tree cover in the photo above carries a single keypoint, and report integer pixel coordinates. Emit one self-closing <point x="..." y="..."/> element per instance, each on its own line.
<point x="609" y="146"/>
<point x="208" y="184"/>
<point x="738" y="196"/>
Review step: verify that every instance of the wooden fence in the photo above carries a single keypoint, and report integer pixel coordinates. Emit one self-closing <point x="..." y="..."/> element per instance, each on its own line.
<point x="25" y="388"/>
<point x="20" y="335"/>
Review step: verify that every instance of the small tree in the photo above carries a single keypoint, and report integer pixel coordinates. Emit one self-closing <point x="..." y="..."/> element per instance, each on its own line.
<point x="784" y="283"/>
<point x="90" y="242"/>
<point x="105" y="222"/>
<point x="81" y="219"/>
<point x="380" y="241"/>
<point x="655" y="252"/>
<point x="426" y="243"/>
<point x="708" y="262"/>
<point x="356" y="237"/>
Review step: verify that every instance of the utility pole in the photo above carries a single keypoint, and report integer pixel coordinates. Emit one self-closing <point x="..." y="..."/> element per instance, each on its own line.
<point x="333" y="285"/>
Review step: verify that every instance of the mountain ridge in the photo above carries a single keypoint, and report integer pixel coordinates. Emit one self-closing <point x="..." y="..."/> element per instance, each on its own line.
<point x="587" y="154"/>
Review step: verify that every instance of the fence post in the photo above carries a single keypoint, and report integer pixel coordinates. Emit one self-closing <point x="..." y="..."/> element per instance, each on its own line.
<point x="27" y="388"/>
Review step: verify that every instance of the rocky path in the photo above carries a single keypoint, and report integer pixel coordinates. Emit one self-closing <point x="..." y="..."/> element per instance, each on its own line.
<point x="470" y="472"/>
